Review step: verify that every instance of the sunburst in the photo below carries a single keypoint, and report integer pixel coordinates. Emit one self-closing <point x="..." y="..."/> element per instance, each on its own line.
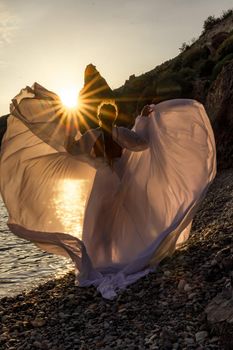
<point x="69" y="97"/>
<point x="75" y="109"/>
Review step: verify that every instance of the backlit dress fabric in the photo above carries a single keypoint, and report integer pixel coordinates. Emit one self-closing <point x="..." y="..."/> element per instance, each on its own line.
<point x="115" y="222"/>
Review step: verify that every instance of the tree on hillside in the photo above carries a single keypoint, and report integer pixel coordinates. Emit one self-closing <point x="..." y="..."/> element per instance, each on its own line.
<point x="210" y="22"/>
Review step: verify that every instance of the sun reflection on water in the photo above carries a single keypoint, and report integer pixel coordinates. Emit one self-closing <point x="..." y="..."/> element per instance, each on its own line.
<point x="70" y="203"/>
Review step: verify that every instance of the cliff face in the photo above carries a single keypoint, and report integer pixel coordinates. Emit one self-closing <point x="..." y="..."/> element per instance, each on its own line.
<point x="219" y="105"/>
<point x="94" y="91"/>
<point x="221" y="26"/>
<point x="202" y="71"/>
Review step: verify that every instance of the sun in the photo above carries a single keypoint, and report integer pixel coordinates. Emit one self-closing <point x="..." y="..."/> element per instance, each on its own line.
<point x="69" y="97"/>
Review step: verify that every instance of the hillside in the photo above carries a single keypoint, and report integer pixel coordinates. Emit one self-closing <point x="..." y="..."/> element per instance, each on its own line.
<point x="198" y="62"/>
<point x="202" y="71"/>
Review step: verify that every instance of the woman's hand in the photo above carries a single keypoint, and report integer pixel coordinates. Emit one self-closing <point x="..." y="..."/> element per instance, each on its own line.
<point x="146" y="111"/>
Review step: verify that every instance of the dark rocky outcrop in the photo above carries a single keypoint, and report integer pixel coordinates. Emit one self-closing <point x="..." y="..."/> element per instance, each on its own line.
<point x="219" y="105"/>
<point x="203" y="71"/>
<point x="218" y="39"/>
<point x="95" y="90"/>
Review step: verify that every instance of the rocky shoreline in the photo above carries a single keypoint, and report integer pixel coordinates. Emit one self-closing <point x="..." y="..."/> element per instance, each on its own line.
<point x="165" y="310"/>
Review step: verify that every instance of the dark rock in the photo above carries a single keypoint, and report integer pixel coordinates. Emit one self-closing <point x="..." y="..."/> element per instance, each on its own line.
<point x="219" y="105"/>
<point x="218" y="39"/>
<point x="95" y="91"/>
<point x="201" y="336"/>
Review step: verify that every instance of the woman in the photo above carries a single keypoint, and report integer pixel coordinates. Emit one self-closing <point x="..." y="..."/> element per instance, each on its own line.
<point x="141" y="187"/>
<point x="104" y="146"/>
<point x="107" y="141"/>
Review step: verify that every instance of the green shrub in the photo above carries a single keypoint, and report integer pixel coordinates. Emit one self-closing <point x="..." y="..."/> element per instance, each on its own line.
<point x="146" y="96"/>
<point x="187" y="74"/>
<point x="177" y="64"/>
<point x="184" y="47"/>
<point x="195" y="55"/>
<point x="219" y="66"/>
<point x="218" y="39"/>
<point x="137" y="84"/>
<point x="206" y="68"/>
<point x="168" y="87"/>
<point x="210" y="22"/>
<point x="226" y="47"/>
<point x="227" y="14"/>
<point x="175" y="84"/>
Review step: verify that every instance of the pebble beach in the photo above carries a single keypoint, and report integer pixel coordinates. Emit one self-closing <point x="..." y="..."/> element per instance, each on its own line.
<point x="165" y="310"/>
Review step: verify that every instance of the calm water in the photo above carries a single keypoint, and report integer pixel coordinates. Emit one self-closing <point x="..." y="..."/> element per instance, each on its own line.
<point x="22" y="264"/>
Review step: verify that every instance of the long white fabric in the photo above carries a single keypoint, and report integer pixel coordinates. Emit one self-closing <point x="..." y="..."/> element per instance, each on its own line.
<point x="116" y="224"/>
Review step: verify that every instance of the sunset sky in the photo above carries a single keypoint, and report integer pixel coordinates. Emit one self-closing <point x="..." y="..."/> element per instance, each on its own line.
<point x="51" y="41"/>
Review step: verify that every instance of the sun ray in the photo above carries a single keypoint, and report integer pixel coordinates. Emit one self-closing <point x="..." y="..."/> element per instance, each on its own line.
<point x="71" y="118"/>
<point x="91" y="82"/>
<point x="82" y="120"/>
<point x="95" y="91"/>
<point x="89" y="107"/>
<point x="50" y="114"/>
<point x="90" y="116"/>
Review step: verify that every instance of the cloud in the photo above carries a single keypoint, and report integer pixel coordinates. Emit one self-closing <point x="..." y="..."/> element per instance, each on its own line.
<point x="8" y="26"/>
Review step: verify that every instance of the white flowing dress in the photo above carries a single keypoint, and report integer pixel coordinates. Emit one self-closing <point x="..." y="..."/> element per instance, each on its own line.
<point x="116" y="224"/>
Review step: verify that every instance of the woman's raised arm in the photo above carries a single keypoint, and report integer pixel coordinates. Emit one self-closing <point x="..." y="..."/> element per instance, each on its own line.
<point x="136" y="139"/>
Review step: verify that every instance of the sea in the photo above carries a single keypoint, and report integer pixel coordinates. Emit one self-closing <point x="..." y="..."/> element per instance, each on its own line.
<point x="23" y="266"/>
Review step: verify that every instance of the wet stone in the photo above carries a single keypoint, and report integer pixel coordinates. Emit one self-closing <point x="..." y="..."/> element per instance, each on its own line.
<point x="201" y="336"/>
